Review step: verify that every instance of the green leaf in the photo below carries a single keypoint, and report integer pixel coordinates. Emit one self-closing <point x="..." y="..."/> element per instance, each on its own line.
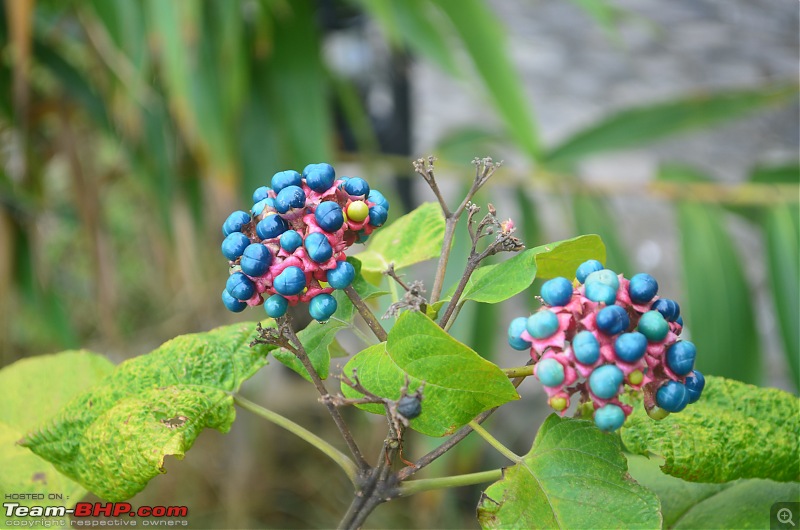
<point x="573" y="477"/>
<point x="501" y="281"/>
<point x="113" y="439"/>
<point x="459" y="384"/>
<point x="415" y="237"/>
<point x="483" y="36"/>
<point x="641" y="125"/>
<point x="718" y="308"/>
<point x="740" y="504"/>
<point x="734" y="431"/>
<point x="33" y="390"/>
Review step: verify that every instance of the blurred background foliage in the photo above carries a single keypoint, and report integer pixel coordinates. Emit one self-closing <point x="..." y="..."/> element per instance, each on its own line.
<point x="129" y="129"/>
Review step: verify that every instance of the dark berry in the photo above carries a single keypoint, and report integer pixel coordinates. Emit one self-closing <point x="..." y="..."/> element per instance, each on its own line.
<point x="329" y="216"/>
<point x="600" y="293"/>
<point x="284" y="179"/>
<point x="271" y="226"/>
<point x="342" y="275"/>
<point x="322" y="307"/>
<point x="653" y="326"/>
<point x="235" y="222"/>
<point x="377" y="215"/>
<point x="240" y="286"/>
<point x="256" y="260"/>
<point x="356" y="187"/>
<point x="604" y="381"/>
<point x="319" y="177"/>
<point x="586" y="268"/>
<point x="681" y="356"/>
<point x="515" y="329"/>
<point x="409" y="407"/>
<point x="276" y="306"/>
<point x="378" y="199"/>
<point x="318" y="247"/>
<point x="630" y="347"/>
<point x="233" y="245"/>
<point x="237" y="306"/>
<point x="612" y="319"/>
<point x="695" y="382"/>
<point x="672" y="397"/>
<point x="609" y="417"/>
<point x="669" y="308"/>
<point x="290" y="197"/>
<point x="290" y="282"/>
<point x="586" y="347"/>
<point x="557" y="292"/>
<point x="549" y="372"/>
<point x="542" y="324"/>
<point x="291" y="240"/>
<point x="642" y="288"/>
<point x="260" y="194"/>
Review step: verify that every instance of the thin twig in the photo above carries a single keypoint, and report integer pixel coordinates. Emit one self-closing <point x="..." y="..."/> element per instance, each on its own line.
<point x="390" y="272"/>
<point x="366" y="314"/>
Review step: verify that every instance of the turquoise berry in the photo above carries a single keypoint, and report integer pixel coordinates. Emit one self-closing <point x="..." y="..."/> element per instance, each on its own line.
<point x="271" y="226"/>
<point x="276" y="306"/>
<point x="586" y="268"/>
<point x="322" y="307"/>
<point x="233" y="245"/>
<point x="642" y="288"/>
<point x="609" y="417"/>
<point x="291" y="240"/>
<point x="604" y="381"/>
<point x="653" y="326"/>
<point x="550" y="372"/>
<point x="606" y="276"/>
<point x="290" y="197"/>
<point x="612" y="319"/>
<point x="329" y="216"/>
<point x="377" y="215"/>
<point x="356" y="187"/>
<point x="260" y="194"/>
<point x="318" y="247"/>
<point x="258" y="207"/>
<point x="586" y="347"/>
<point x="669" y="308"/>
<point x="240" y="286"/>
<point x="681" y="356"/>
<point x="319" y="177"/>
<point x="600" y="293"/>
<point x="284" y="179"/>
<point x="235" y="222"/>
<point x="672" y="397"/>
<point x="362" y="237"/>
<point x="630" y="347"/>
<point x="256" y="260"/>
<point x="542" y="324"/>
<point x="515" y="329"/>
<point x="695" y="383"/>
<point x="378" y="199"/>
<point x="237" y="306"/>
<point x="557" y="292"/>
<point x="290" y="282"/>
<point x="342" y="275"/>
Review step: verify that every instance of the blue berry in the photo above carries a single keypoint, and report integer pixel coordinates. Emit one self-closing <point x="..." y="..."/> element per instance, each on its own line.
<point x="681" y="356"/>
<point x="542" y="324"/>
<point x="356" y="187"/>
<point x="612" y="319"/>
<point x="322" y="307"/>
<point x="290" y="282"/>
<point x="586" y="268"/>
<point x="609" y="417"/>
<point x="409" y="407"/>
<point x="642" y="288"/>
<point x="378" y="215"/>
<point x="630" y="347"/>
<point x="291" y="240"/>
<point x="679" y="321"/>
<point x="284" y="179"/>
<point x="515" y="329"/>
<point x="235" y="222"/>
<point x="653" y="326"/>
<point x="256" y="260"/>
<point x="240" y="286"/>
<point x="606" y="276"/>
<point x="237" y="306"/>
<point x="669" y="308"/>
<point x="362" y="237"/>
<point x="260" y="194"/>
<point x="233" y="245"/>
<point x="557" y="292"/>
<point x="271" y="226"/>
<point x="586" y="347"/>
<point x="319" y="177"/>
<point x="600" y="293"/>
<point x="672" y="397"/>
<point x="695" y="383"/>
<point x="550" y="372"/>
<point x="276" y="306"/>
<point x="342" y="275"/>
<point x="605" y="380"/>
<point x="258" y="207"/>
<point x="290" y="197"/>
<point x="329" y="216"/>
<point x="318" y="247"/>
<point x="377" y="197"/>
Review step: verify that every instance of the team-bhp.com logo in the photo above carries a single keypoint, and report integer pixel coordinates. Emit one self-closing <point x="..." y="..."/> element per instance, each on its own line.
<point x="97" y="509"/>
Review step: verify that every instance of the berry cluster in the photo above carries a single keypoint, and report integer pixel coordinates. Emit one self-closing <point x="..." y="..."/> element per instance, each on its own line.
<point x="291" y="247"/>
<point x="604" y="336"/>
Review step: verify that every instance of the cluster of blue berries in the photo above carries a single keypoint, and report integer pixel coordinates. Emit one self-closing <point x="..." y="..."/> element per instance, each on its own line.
<point x="290" y="247"/>
<point x="605" y="337"/>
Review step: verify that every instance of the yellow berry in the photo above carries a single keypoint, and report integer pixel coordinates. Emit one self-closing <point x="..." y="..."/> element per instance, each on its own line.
<point x="657" y="413"/>
<point x="357" y="211"/>
<point x="636" y="377"/>
<point x="557" y="403"/>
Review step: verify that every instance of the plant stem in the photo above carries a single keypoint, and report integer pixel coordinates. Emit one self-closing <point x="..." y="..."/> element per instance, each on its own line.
<point x="450" y="223"/>
<point x="494" y="442"/>
<point x="366" y="314"/>
<point x="416" y="486"/>
<point x="334" y="454"/>
<point x="472" y="264"/>
<point x="519" y="371"/>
